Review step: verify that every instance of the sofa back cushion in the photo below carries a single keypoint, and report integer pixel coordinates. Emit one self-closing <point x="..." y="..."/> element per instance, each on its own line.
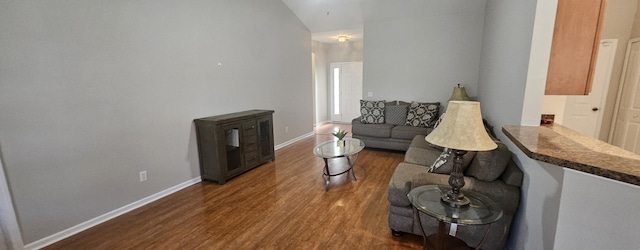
<point x="489" y="165"/>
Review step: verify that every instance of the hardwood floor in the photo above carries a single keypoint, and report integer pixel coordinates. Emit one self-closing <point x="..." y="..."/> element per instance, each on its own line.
<point x="279" y="205"/>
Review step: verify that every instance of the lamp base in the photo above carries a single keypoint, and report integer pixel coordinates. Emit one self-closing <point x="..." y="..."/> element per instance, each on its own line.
<point x="455" y="200"/>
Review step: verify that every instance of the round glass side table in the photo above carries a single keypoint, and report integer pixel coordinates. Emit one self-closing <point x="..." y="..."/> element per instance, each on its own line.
<point x="426" y="199"/>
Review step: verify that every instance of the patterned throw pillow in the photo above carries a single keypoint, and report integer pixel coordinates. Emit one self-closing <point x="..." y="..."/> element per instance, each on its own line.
<point x="422" y="114"/>
<point x="372" y="111"/>
<point x="395" y="114"/>
<point x="444" y="163"/>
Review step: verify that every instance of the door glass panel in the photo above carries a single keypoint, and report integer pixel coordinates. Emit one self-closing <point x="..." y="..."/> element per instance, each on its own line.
<point x="336" y="91"/>
<point x="265" y="142"/>
<point x="232" y="148"/>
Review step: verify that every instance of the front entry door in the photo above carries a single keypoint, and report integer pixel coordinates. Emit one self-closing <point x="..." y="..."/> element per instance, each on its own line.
<point x="346" y="88"/>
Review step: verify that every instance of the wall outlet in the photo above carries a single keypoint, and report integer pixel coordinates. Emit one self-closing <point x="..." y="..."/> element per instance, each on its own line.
<point x="286" y="129"/>
<point x="143" y="176"/>
<point x="369" y="94"/>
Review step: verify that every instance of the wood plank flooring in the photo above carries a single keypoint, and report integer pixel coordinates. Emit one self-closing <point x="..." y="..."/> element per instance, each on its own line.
<point x="279" y="205"/>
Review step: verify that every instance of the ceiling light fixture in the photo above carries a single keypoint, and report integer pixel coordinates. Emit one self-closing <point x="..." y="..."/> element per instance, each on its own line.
<point x="342" y="39"/>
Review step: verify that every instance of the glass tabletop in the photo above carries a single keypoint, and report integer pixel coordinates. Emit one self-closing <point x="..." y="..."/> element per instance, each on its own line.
<point x="330" y="149"/>
<point x="482" y="209"/>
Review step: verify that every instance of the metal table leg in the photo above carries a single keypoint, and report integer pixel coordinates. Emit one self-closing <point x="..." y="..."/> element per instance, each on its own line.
<point x="326" y="174"/>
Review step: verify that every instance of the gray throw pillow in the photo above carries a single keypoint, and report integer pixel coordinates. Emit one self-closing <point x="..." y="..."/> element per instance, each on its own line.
<point x="422" y="114"/>
<point x="372" y="112"/>
<point x="396" y="114"/>
<point x="489" y="165"/>
<point x="444" y="163"/>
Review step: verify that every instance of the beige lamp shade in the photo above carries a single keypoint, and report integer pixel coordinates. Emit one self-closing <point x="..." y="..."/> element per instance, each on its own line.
<point x="459" y="94"/>
<point x="462" y="128"/>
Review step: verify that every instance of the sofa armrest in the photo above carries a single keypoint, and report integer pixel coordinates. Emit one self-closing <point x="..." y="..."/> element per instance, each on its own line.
<point x="400" y="183"/>
<point x="357" y="120"/>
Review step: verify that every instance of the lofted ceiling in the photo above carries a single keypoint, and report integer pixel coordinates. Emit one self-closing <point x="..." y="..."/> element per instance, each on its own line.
<point x="326" y="19"/>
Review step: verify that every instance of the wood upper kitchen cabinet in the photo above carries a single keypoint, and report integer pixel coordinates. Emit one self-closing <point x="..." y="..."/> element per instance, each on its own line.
<point x="574" y="48"/>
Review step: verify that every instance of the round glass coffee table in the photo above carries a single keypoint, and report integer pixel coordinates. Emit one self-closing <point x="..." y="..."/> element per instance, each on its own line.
<point x="426" y="199"/>
<point x="331" y="149"/>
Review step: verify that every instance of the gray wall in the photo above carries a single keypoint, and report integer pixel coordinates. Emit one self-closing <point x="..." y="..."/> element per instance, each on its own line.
<point x="503" y="78"/>
<point x="424" y="54"/>
<point x="345" y="52"/>
<point x="92" y="92"/>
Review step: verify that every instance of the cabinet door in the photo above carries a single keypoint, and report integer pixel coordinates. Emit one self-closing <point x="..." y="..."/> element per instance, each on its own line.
<point x="574" y="48"/>
<point x="231" y="152"/>
<point x="265" y="138"/>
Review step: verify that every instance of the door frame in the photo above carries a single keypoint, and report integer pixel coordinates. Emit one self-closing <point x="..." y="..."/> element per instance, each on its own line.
<point x="605" y="87"/>
<point x="331" y="96"/>
<point x="616" y="108"/>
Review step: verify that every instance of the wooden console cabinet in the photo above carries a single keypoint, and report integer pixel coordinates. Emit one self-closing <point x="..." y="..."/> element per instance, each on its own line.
<point x="231" y="144"/>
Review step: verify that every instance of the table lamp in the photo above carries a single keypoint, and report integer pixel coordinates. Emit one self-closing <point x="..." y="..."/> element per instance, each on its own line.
<point x="461" y="130"/>
<point x="459" y="94"/>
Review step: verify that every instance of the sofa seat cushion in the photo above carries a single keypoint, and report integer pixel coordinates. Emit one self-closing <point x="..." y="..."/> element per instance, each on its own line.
<point x="409" y="132"/>
<point x="371" y="130"/>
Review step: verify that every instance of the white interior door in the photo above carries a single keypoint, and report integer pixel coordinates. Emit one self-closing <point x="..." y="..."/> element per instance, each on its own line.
<point x="347" y="90"/>
<point x="626" y="132"/>
<point x="584" y="113"/>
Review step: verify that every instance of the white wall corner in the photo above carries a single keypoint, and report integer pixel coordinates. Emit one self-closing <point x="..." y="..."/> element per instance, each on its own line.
<point x="9" y="227"/>
<point x="538" y="61"/>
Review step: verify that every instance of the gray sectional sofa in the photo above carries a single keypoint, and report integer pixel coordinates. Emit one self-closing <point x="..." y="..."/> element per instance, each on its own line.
<point x="394" y="134"/>
<point x="492" y="173"/>
<point x="386" y="136"/>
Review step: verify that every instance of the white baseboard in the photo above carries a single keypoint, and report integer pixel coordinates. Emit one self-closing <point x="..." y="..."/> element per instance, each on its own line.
<point x="289" y="142"/>
<point x="110" y="215"/>
<point x="120" y="211"/>
<point x="322" y="123"/>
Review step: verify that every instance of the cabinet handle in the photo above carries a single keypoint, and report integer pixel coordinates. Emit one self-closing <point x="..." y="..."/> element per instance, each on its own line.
<point x="253" y="126"/>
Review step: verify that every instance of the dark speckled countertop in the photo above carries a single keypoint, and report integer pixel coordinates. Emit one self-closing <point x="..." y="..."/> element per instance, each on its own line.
<point x="564" y="147"/>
